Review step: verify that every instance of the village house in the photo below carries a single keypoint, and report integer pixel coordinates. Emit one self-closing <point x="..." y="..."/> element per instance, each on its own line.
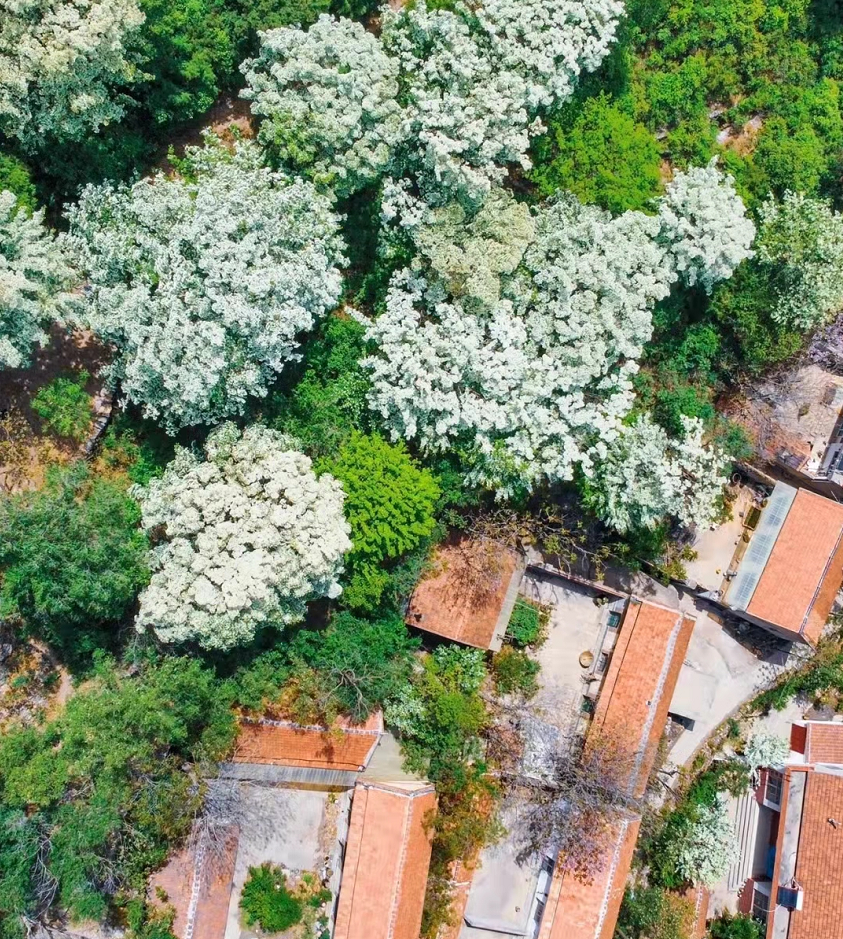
<point x="299" y="797"/>
<point x="629" y="703"/>
<point x="469" y="594"/>
<point x="793" y="882"/>
<point x="795" y="423"/>
<point x="788" y="577"/>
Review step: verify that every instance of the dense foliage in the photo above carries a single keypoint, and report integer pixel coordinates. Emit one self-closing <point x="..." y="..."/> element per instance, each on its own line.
<point x="389" y="504"/>
<point x="101" y="792"/>
<point x="266" y="902"/>
<point x="251" y="535"/>
<point x="205" y="283"/>
<point x="72" y="559"/>
<point x="64" y="406"/>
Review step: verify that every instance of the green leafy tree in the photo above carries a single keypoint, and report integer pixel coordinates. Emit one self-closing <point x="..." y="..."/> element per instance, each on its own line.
<point x="603" y="156"/>
<point x="64" y="406"/>
<point x="72" y="559"/>
<point x="101" y="790"/>
<point x="364" y="662"/>
<point x="389" y="504"/>
<point x="266" y="902"/>
<point x="728" y="926"/>
<point x="15" y="177"/>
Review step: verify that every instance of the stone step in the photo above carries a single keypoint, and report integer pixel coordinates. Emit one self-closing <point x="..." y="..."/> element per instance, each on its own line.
<point x="745" y="812"/>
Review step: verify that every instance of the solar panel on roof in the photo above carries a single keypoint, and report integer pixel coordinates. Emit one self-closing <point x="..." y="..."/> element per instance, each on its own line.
<point x="761" y="546"/>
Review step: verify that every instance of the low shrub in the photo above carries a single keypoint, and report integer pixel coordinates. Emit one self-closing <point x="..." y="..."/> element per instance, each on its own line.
<point x="65" y="407"/>
<point x="514" y="672"/>
<point x="266" y="902"/>
<point x="527" y="625"/>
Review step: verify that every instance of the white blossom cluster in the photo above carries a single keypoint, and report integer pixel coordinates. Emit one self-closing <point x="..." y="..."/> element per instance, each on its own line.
<point x="205" y="284"/>
<point x="648" y="475"/>
<point x="539" y="381"/>
<point x="33" y="273"/>
<point x="328" y="98"/>
<point x="705" y="226"/>
<point x="802" y="238"/>
<point x="60" y="63"/>
<point x="251" y="535"/>
<point x="765" y="750"/>
<point x="472" y="81"/>
<point x="711" y="846"/>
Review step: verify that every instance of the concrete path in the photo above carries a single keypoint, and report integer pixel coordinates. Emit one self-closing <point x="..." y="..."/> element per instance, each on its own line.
<point x="719" y="674"/>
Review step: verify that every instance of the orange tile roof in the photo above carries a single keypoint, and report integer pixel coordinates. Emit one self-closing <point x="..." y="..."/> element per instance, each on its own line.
<point x="823" y="742"/>
<point x="209" y="910"/>
<point x="345" y="746"/>
<point x="803" y="574"/>
<point x="632" y="709"/>
<point x="456" y="600"/>
<point x="635" y="698"/>
<point x="818" y="857"/>
<point x="384" y="874"/>
<point x="577" y="910"/>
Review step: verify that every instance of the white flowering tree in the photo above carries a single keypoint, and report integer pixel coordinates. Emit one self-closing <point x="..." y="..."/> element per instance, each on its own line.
<point x="33" y="274"/>
<point x="205" y="284"/>
<point x="537" y="382"/>
<point x="468" y="252"/>
<point x="476" y="78"/>
<point x="328" y="102"/>
<point x="704" y="225"/>
<point x="710" y="846"/>
<point x="765" y="749"/>
<point x="648" y="475"/>
<point x="801" y="242"/>
<point x="250" y="536"/>
<point x="62" y="63"/>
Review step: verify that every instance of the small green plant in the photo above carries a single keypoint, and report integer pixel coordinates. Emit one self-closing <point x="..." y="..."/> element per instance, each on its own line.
<point x="515" y="672"/>
<point x="527" y="624"/>
<point x="65" y="407"/>
<point x="266" y="902"/>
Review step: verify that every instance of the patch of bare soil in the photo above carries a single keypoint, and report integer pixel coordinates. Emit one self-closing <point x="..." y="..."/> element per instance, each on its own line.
<point x="230" y="118"/>
<point x="24" y="451"/>
<point x="744" y="139"/>
<point x="32" y="683"/>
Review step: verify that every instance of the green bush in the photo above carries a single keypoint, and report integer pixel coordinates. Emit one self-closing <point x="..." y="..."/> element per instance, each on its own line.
<point x="598" y="152"/>
<point x="526" y="625"/>
<point x="727" y="926"/>
<point x="73" y="559"/>
<point x="389" y="505"/>
<point x="514" y="672"/>
<point x="266" y="902"/>
<point x="15" y="177"/>
<point x="65" y="407"/>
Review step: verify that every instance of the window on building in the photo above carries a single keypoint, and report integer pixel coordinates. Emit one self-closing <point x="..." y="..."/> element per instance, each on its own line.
<point x="760" y="905"/>
<point x="614" y="620"/>
<point x="602" y="663"/>
<point x="773" y="792"/>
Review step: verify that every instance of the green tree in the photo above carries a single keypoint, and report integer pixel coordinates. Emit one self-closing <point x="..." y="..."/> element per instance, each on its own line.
<point x="603" y="156"/>
<point x="103" y="787"/>
<point x="727" y="926"/>
<point x="389" y="504"/>
<point x="15" y="177"/>
<point x="266" y="902"/>
<point x="366" y="662"/>
<point x="64" y="406"/>
<point x="72" y="559"/>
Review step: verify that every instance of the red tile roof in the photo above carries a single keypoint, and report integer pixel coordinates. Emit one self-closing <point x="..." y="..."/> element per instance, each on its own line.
<point x="819" y="851"/>
<point x="639" y="684"/>
<point x="577" y="910"/>
<point x="387" y="855"/>
<point x="464" y="595"/>
<point x="796" y="590"/>
<point x="632" y="708"/>
<point x="823" y="742"/>
<point x="209" y="909"/>
<point x="345" y="746"/>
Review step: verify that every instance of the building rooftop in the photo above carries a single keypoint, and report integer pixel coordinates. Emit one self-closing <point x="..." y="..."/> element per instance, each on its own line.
<point x="808" y="852"/>
<point x="387" y="856"/>
<point x="344" y="746"/>
<point x="803" y="570"/>
<point x="469" y="595"/>
<point x="639" y="684"/>
<point x="632" y="708"/>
